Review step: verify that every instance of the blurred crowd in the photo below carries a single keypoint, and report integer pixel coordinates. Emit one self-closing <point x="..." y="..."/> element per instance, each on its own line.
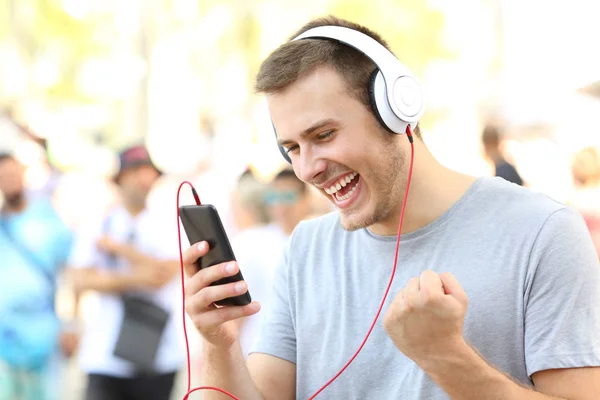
<point x="90" y="278"/>
<point x="75" y="292"/>
<point x="75" y="295"/>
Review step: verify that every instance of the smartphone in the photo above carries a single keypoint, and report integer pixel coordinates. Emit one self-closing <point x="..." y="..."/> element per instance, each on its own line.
<point x="202" y="223"/>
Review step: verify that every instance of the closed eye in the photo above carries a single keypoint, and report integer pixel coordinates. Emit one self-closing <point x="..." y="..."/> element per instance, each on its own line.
<point x="291" y="148"/>
<point x="321" y="137"/>
<point x="325" y="135"/>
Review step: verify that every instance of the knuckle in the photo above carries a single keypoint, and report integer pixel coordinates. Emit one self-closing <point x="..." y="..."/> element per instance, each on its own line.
<point x="386" y="323"/>
<point x="190" y="308"/>
<point x="205" y="277"/>
<point x="409" y="303"/>
<point x="230" y="313"/>
<point x="203" y="297"/>
<point x="188" y="255"/>
<point x="200" y="323"/>
<point x="187" y="290"/>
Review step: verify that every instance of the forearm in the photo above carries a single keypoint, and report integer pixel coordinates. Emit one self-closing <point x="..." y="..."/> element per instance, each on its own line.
<point x="226" y="369"/>
<point x="465" y="375"/>
<point x="134" y="256"/>
<point x="103" y="281"/>
<point x="141" y="260"/>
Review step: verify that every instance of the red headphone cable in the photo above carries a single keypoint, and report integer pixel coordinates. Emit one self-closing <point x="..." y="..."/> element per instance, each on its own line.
<point x="187" y="346"/>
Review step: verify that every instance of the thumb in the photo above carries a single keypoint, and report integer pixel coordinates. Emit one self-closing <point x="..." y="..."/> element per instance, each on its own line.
<point x="453" y="288"/>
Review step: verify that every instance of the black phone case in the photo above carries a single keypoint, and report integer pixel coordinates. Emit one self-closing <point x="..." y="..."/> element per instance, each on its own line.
<point x="202" y="223"/>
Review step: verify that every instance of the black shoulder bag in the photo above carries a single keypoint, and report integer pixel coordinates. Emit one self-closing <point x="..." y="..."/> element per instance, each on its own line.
<point x="142" y="327"/>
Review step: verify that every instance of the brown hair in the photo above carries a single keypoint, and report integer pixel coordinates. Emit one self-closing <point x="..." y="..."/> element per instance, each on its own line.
<point x="296" y="59"/>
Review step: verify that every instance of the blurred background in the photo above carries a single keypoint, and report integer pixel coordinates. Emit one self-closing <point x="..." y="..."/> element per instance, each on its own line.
<point x="81" y="79"/>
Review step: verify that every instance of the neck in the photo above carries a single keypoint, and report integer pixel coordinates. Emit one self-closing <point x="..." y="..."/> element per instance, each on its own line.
<point x="247" y="222"/>
<point x="9" y="208"/>
<point x="495" y="155"/>
<point x="433" y="190"/>
<point x="288" y="228"/>
<point x="134" y="209"/>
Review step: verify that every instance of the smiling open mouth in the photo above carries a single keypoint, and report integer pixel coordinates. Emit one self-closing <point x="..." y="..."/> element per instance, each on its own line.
<point x="344" y="187"/>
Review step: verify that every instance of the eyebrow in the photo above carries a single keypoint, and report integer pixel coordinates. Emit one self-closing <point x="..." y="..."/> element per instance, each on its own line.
<point x="308" y="131"/>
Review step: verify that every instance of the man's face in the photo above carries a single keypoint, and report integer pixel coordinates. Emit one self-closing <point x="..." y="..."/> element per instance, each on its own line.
<point x="288" y="201"/>
<point x="136" y="182"/>
<point x="336" y="144"/>
<point x="12" y="178"/>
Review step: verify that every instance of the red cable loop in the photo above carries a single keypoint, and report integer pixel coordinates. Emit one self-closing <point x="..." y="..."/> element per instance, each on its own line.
<point x="187" y="346"/>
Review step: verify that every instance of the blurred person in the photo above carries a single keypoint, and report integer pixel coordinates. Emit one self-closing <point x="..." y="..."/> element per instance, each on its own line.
<point x="214" y="182"/>
<point x="131" y="347"/>
<point x="288" y="200"/>
<point x="34" y="246"/>
<point x="248" y="205"/>
<point x="497" y="290"/>
<point x="257" y="245"/>
<point x="586" y="197"/>
<point x="491" y="139"/>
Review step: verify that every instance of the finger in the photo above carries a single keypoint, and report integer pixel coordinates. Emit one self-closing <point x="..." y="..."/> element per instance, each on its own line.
<point x="397" y="302"/>
<point x="219" y="316"/>
<point x="206" y="297"/>
<point x="413" y="285"/>
<point x="431" y="283"/>
<point x="413" y="300"/>
<point x="206" y="276"/>
<point x="191" y="255"/>
<point x="453" y="288"/>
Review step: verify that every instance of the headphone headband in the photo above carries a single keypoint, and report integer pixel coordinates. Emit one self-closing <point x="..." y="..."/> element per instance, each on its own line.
<point x="395" y="94"/>
<point x="403" y="91"/>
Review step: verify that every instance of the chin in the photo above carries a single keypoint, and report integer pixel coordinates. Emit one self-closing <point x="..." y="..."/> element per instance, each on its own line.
<point x="354" y="221"/>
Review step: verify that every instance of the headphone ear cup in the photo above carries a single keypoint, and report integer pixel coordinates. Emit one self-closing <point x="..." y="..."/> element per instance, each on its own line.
<point x="381" y="106"/>
<point x="373" y="99"/>
<point x="284" y="154"/>
<point x="281" y="149"/>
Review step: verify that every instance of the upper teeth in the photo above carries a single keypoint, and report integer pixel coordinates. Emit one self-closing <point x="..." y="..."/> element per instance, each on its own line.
<point x="341" y="183"/>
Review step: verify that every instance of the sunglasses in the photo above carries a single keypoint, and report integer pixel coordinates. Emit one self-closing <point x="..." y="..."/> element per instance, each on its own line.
<point x="282" y="197"/>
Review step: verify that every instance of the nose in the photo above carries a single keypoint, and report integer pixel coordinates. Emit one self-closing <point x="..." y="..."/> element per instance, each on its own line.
<point x="308" y="167"/>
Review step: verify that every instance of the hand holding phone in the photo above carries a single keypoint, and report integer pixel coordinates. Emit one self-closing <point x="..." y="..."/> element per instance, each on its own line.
<point x="215" y="324"/>
<point x="202" y="223"/>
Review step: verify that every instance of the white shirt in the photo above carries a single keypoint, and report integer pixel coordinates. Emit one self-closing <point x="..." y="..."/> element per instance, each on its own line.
<point x="258" y="251"/>
<point x="154" y="239"/>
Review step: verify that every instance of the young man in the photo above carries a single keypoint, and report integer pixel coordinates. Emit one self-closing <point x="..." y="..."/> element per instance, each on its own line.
<point x="529" y="329"/>
<point x="34" y="246"/>
<point x="288" y="201"/>
<point x="131" y="348"/>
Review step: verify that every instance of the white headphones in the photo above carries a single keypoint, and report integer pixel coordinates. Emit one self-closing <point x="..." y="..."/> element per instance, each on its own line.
<point x="396" y="95"/>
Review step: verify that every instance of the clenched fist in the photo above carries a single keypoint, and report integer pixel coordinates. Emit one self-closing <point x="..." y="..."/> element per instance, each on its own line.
<point x="426" y="318"/>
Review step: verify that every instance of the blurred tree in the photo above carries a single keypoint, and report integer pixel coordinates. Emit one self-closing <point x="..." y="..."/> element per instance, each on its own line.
<point x="413" y="29"/>
<point x="46" y="34"/>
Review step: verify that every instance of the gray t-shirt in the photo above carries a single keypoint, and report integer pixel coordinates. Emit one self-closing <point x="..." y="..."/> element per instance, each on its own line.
<point x="526" y="262"/>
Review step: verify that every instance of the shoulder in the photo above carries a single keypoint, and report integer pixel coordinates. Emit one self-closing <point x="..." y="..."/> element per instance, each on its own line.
<point x="41" y="205"/>
<point x="525" y="213"/>
<point x="42" y="208"/>
<point x="503" y="199"/>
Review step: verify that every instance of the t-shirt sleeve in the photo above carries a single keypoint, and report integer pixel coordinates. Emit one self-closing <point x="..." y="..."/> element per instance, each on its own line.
<point x="562" y="297"/>
<point x="278" y="333"/>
